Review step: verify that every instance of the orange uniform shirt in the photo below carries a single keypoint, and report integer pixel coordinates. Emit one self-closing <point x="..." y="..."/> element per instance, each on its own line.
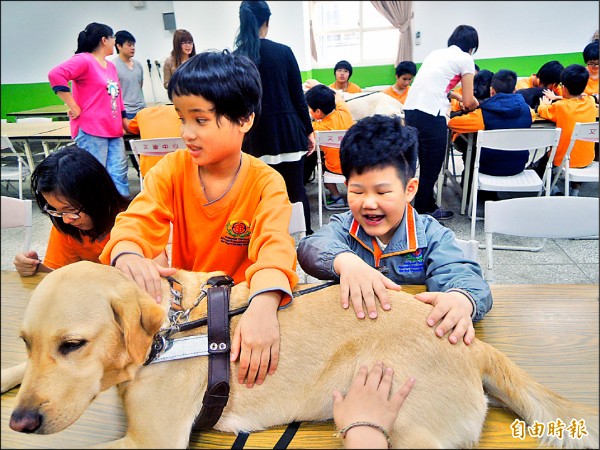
<point x="245" y="233"/>
<point x="159" y="121"/>
<point x="530" y="82"/>
<point x="338" y="119"/>
<point x="591" y="87"/>
<point x="63" y="249"/>
<point x="392" y="93"/>
<point x="352" y="88"/>
<point x="565" y="113"/>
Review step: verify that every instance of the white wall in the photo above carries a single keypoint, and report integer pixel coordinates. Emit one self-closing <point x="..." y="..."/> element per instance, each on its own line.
<point x="513" y="28"/>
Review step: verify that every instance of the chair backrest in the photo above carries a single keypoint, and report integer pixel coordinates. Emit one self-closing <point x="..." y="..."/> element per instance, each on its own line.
<point x="18" y="213"/>
<point x="34" y="119"/>
<point x="154" y="147"/>
<point x="583" y="131"/>
<point x="297" y="223"/>
<point x="470" y="248"/>
<point x="329" y="138"/>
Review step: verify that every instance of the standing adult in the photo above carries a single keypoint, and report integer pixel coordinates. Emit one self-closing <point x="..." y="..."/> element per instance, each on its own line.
<point x="131" y="73"/>
<point x="96" y="110"/>
<point x="427" y="103"/>
<point x="283" y="132"/>
<point x="183" y="49"/>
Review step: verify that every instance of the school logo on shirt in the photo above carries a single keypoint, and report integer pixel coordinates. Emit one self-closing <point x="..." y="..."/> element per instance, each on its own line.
<point x="112" y="88"/>
<point x="413" y="262"/>
<point x="238" y="231"/>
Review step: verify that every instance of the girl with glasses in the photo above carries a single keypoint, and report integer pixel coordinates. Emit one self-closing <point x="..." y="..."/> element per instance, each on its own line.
<point x="590" y="56"/>
<point x="80" y="198"/>
<point x="183" y="49"/>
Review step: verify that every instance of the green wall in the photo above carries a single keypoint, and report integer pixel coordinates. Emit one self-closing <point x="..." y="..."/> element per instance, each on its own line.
<point x="18" y="97"/>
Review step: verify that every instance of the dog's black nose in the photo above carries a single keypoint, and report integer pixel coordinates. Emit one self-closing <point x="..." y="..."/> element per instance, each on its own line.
<point x="25" y="421"/>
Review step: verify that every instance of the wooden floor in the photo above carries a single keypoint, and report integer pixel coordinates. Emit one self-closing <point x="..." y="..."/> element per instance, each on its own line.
<point x="551" y="331"/>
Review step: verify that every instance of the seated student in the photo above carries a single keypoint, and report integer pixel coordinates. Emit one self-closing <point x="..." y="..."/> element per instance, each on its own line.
<point x="481" y="90"/>
<point x="590" y="56"/>
<point x="330" y="112"/>
<point x="383" y="241"/>
<point x="343" y="72"/>
<point x="78" y="194"/>
<point x="503" y="110"/>
<point x="229" y="210"/>
<point x="574" y="107"/>
<point x="158" y="121"/>
<point x="546" y="78"/>
<point x="405" y="72"/>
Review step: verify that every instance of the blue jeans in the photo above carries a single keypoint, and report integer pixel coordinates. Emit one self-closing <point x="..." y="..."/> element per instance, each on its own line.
<point x="111" y="154"/>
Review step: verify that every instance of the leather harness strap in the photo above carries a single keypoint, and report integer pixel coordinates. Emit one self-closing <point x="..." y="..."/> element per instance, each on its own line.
<point x="217" y="391"/>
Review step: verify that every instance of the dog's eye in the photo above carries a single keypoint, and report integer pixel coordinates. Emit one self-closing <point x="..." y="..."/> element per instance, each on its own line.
<point x="70" y="346"/>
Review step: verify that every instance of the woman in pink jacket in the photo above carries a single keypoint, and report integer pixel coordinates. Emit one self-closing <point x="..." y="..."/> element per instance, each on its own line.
<point x="96" y="109"/>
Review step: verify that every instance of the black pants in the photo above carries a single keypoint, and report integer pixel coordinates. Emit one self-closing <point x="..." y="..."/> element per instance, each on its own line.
<point x="433" y="134"/>
<point x="293" y="174"/>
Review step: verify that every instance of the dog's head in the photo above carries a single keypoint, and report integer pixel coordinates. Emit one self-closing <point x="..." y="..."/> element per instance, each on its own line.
<point x="87" y="327"/>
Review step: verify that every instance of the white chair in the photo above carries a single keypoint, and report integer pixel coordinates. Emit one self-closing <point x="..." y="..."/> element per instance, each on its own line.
<point x="470" y="248"/>
<point x="536" y="140"/>
<point x="18" y="213"/>
<point x="154" y="147"/>
<point x="297" y="222"/>
<point x="542" y="217"/>
<point x="583" y="131"/>
<point x="331" y="138"/>
<point x="14" y="167"/>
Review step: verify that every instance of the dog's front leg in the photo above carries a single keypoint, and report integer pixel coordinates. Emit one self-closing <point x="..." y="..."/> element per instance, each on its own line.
<point x="11" y="377"/>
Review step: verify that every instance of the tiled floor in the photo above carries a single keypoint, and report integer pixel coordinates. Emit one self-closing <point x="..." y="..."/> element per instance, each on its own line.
<point x="561" y="261"/>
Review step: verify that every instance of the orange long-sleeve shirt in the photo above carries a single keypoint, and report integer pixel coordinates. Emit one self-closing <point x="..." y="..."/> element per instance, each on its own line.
<point x="353" y="88"/>
<point x="591" y="87"/>
<point x="63" y="249"/>
<point x="532" y="81"/>
<point x="338" y="119"/>
<point x="392" y="93"/>
<point x="565" y="113"/>
<point x="158" y="121"/>
<point x="245" y="233"/>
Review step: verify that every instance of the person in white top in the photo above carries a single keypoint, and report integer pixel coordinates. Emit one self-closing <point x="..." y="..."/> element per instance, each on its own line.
<point x="426" y="105"/>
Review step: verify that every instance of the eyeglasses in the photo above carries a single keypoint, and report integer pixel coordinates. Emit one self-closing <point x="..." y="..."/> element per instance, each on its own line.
<point x="592" y="64"/>
<point x="53" y="213"/>
<point x="187" y="43"/>
<point x="111" y="37"/>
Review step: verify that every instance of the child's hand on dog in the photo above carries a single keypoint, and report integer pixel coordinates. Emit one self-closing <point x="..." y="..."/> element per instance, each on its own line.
<point x="256" y="339"/>
<point x="360" y="283"/>
<point x="369" y="400"/>
<point x="453" y="310"/>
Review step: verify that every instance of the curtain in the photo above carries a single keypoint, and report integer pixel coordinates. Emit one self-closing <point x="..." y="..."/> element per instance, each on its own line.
<point x="313" y="46"/>
<point x="399" y="15"/>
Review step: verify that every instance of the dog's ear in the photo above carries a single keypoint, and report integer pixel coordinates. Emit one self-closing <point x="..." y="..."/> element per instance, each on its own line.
<point x="140" y="318"/>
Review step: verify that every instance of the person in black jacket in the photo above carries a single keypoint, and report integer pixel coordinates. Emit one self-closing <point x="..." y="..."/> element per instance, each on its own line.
<point x="282" y="136"/>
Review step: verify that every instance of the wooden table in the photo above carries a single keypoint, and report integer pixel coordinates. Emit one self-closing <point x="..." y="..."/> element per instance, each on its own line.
<point x="551" y="331"/>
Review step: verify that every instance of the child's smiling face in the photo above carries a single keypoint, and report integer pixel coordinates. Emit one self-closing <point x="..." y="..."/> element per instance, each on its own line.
<point x="378" y="198"/>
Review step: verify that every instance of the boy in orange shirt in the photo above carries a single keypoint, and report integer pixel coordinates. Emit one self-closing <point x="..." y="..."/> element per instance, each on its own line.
<point x="574" y="107"/>
<point x="330" y="112"/>
<point x="590" y="56"/>
<point x="405" y="72"/>
<point x="342" y="72"/>
<point x="160" y="121"/>
<point x="229" y="210"/>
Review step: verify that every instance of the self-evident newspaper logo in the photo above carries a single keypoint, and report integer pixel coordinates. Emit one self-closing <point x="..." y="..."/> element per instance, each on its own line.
<point x="238" y="233"/>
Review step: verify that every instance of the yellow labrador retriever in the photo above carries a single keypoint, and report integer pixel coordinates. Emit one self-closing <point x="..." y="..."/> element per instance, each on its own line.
<point x="87" y="327"/>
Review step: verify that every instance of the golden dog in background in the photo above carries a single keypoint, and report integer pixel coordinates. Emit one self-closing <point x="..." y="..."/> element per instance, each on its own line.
<point x="84" y="337"/>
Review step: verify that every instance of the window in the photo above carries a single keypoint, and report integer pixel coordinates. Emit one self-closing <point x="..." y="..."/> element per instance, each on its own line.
<point x="354" y="31"/>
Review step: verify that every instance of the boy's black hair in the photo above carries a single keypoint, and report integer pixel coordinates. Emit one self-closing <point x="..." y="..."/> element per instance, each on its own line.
<point x="590" y="52"/>
<point x="481" y="84"/>
<point x="504" y="81"/>
<point x="230" y="81"/>
<point x="121" y="37"/>
<point x="406" y="67"/>
<point x="575" y="78"/>
<point x="377" y="142"/>
<point x="321" y="97"/>
<point x="77" y="175"/>
<point x="343" y="64"/>
<point x="549" y="73"/>
<point x="464" y="37"/>
<point x="91" y="37"/>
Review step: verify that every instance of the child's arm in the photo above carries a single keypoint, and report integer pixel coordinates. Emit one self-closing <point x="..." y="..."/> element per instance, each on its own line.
<point x="360" y="283"/>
